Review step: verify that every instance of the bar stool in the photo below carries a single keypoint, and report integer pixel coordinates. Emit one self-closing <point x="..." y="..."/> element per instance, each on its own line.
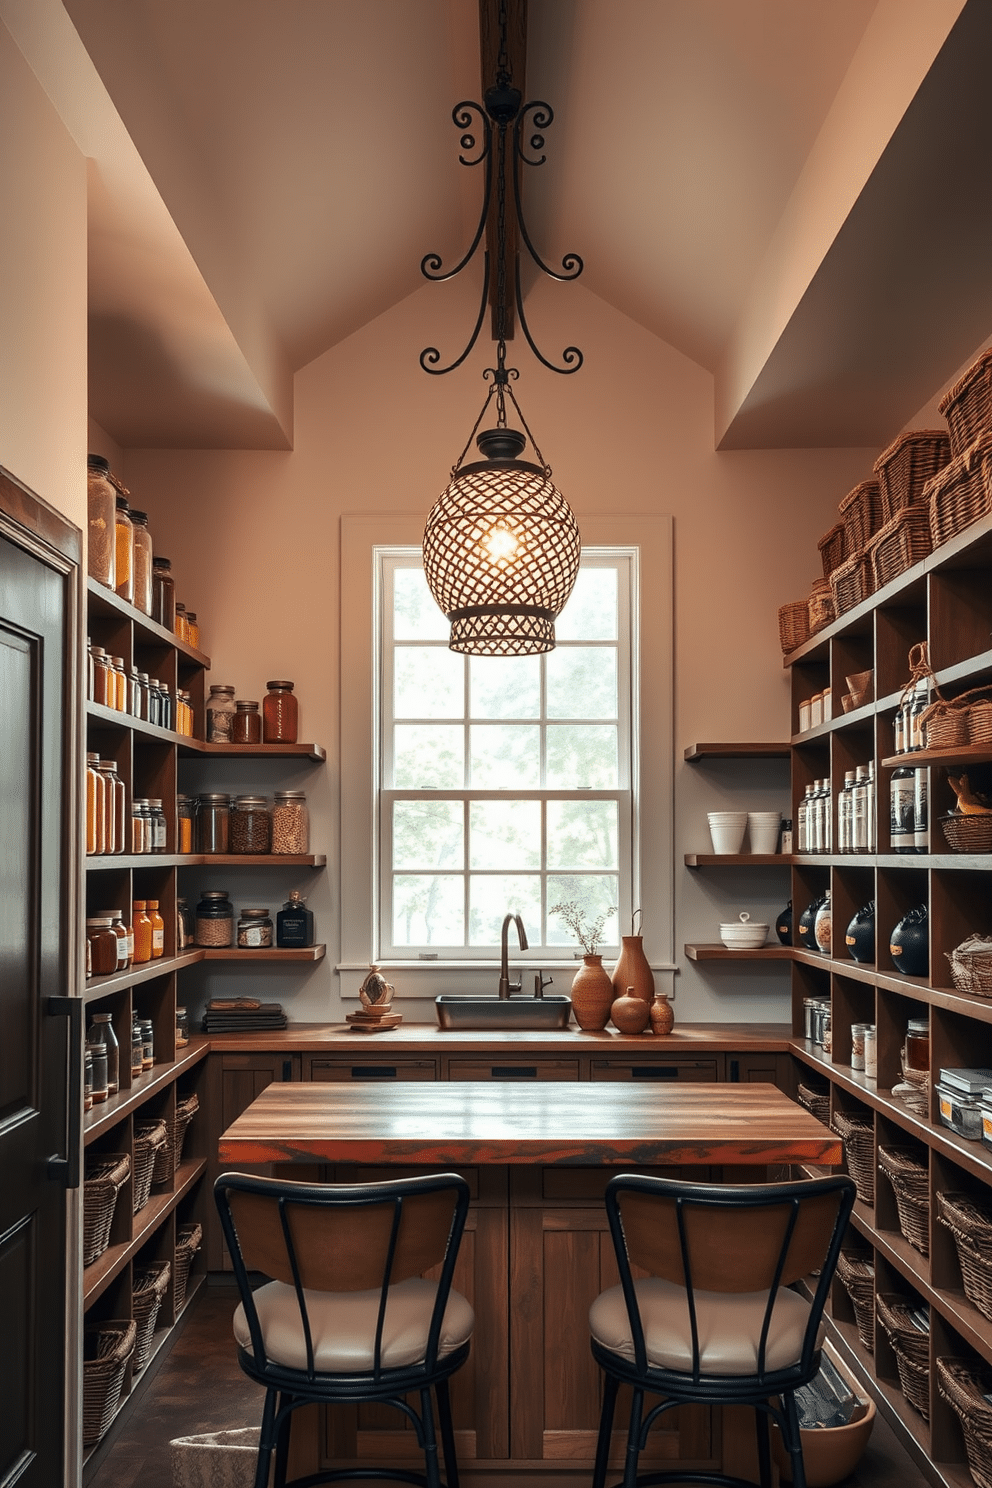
<point x="347" y="1316"/>
<point x="715" y="1321"/>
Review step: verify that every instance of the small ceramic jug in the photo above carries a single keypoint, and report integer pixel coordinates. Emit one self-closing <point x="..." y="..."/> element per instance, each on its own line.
<point x="630" y="1013"/>
<point x="662" y="1014"/>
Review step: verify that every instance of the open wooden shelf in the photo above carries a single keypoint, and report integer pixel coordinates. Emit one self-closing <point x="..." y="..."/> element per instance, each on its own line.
<point x="265" y="953"/>
<point x="720" y="952"/>
<point x="696" y="752"/>
<point x="737" y="860"/>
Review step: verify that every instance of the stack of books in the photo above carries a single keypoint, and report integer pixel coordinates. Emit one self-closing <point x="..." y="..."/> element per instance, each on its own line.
<point x="242" y="1015"/>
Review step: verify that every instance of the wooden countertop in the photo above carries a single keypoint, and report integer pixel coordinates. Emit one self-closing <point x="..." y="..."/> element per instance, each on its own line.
<point x="427" y="1038"/>
<point x="550" y="1124"/>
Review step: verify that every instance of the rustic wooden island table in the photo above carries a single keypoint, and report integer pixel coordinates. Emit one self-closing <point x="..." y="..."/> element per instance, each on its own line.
<point x="537" y="1249"/>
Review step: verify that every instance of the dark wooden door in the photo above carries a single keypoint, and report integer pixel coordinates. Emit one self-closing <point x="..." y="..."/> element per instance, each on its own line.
<point x="38" y="873"/>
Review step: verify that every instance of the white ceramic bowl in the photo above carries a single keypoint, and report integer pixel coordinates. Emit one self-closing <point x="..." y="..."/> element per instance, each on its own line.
<point x="743" y="934"/>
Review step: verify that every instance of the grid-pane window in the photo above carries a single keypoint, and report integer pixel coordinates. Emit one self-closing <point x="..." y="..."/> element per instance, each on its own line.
<point x="505" y="782"/>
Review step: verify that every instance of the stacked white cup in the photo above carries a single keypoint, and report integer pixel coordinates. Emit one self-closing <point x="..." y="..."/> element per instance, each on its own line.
<point x="727" y="830"/>
<point x="763" y="829"/>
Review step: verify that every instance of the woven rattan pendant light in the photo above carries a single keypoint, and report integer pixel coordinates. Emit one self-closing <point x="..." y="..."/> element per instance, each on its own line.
<point x="501" y="544"/>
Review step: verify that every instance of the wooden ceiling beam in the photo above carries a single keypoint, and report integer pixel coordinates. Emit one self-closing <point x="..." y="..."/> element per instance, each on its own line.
<point x="516" y="60"/>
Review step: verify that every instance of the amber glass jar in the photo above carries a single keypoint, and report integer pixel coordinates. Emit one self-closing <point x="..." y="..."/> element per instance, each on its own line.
<point x="246" y="726"/>
<point x="102" y="525"/>
<point x="280" y="712"/>
<point x="101" y="675"/>
<point x="158" y="928"/>
<point x="185" y="811"/>
<point x="163" y="593"/>
<point x="142" y="933"/>
<point x="181" y="627"/>
<point x="124" y="550"/>
<point x="95" y="807"/>
<point x="142" y="540"/>
<point x="193" y="628"/>
<point x="103" y="945"/>
<point x="251" y="825"/>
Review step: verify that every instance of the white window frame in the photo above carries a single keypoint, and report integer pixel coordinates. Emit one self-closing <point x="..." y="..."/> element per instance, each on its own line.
<point x="651" y="752"/>
<point x="622" y="561"/>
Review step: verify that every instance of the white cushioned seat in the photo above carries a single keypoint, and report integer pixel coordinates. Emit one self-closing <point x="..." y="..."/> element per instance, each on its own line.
<point x="728" y="1324"/>
<point x="342" y="1326"/>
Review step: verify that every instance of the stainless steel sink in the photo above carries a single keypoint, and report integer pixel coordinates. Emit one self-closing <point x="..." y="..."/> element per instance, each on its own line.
<point x="523" y="1013"/>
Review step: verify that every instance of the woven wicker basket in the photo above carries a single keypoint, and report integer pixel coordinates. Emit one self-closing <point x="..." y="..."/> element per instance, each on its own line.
<point x="851" y="583"/>
<point x="793" y="624"/>
<point x="968" y="834"/>
<point x="816" y="1099"/>
<point x="965" y="1388"/>
<point x="961" y="492"/>
<point x="967" y="407"/>
<point x="168" y="1157"/>
<point x="971" y="1225"/>
<point x="861" y="512"/>
<point x="821" y="606"/>
<point x="150" y="1286"/>
<point x="833" y="549"/>
<point x="980" y="722"/>
<point x="906" y="466"/>
<point x="971" y="966"/>
<point x="857" y="1275"/>
<point x="911" y="1348"/>
<point x="903" y="541"/>
<point x="946" y="726"/>
<point x="107" y="1348"/>
<point x="188" y="1238"/>
<point x="149" y="1139"/>
<point x="910" y="1184"/>
<point x="106" y="1174"/>
<point x="857" y="1133"/>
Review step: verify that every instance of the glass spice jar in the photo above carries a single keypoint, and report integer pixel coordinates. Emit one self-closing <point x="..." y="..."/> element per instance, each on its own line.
<point x="98" y="1072"/>
<point x="214" y="919"/>
<point x="163" y="593"/>
<point x="123" y="551"/>
<point x="120" y="683"/>
<point x="871" y="1053"/>
<point x="98" y="691"/>
<point x="87" y="1079"/>
<point x="247" y="725"/>
<point x="916" y="1049"/>
<point x="158" y="928"/>
<point x="220" y="713"/>
<point x="182" y="1028"/>
<point x="858" y="1045"/>
<point x="142" y="933"/>
<point x="159" y="826"/>
<point x="103" y="945"/>
<point x="102" y="522"/>
<point x="280" y="714"/>
<point x="142" y="539"/>
<point x="290" y="823"/>
<point x="254" y="929"/>
<point x="124" y="947"/>
<point x="194" y="629"/>
<point x="147" y="1043"/>
<point x="181" y="626"/>
<point x="137" y="1049"/>
<point x="95" y="787"/>
<point x="185" y="810"/>
<point x="213" y="818"/>
<point x="251" y="825"/>
<point x="101" y="1031"/>
<point x="185" y="929"/>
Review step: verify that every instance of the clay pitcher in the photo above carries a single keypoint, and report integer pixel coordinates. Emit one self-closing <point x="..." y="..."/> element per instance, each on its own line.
<point x="592" y="994"/>
<point x="632" y="975"/>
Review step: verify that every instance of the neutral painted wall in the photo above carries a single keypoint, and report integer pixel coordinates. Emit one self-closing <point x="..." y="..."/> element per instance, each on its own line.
<point x="42" y="293"/>
<point x="254" y="541"/>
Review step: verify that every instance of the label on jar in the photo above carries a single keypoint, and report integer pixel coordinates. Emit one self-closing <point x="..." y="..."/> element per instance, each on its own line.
<point x="158" y="940"/>
<point x="254" y="935"/>
<point x="219" y="726"/>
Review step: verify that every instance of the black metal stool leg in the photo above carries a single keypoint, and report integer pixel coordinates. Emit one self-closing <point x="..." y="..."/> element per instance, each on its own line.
<point x="282" y="1445"/>
<point x="447" y="1433"/>
<point x="610" y="1388"/>
<point x="794" y="1445"/>
<point x="266" y="1440"/>
<point x="764" y="1453"/>
<point x="633" y="1440"/>
<point x="431" y="1469"/>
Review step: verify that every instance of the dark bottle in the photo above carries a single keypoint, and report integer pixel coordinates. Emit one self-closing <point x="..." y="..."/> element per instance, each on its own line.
<point x="783" y="925"/>
<point x="163" y="593"/>
<point x="902" y="810"/>
<point x="909" y="943"/>
<point x="807" y="920"/>
<point x="294" y="923"/>
<point x="860" y="937"/>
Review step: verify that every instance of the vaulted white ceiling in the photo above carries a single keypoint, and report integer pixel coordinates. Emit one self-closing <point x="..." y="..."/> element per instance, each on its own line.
<point x="791" y="193"/>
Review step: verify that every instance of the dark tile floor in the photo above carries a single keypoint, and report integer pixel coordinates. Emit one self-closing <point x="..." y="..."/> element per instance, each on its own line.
<point x="199" y="1387"/>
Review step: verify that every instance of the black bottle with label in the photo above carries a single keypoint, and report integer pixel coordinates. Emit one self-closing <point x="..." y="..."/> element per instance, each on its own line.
<point x="294" y="923"/>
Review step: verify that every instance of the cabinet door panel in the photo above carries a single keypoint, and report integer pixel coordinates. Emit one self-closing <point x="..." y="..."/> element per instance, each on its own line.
<point x="235" y="1081"/>
<point x="355" y="1070"/>
<point x="660" y="1070"/>
<point x="513" y="1069"/>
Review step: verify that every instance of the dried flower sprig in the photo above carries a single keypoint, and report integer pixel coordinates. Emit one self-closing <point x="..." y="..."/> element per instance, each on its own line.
<point x="588" y="936"/>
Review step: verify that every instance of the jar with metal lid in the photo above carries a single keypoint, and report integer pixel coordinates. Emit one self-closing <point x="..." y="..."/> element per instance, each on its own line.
<point x="194" y="629"/>
<point x="103" y="945"/>
<point x="254" y="929"/>
<point x="280" y="714"/>
<point x="220" y="713"/>
<point x="120" y="684"/>
<point x="95" y="787"/>
<point x="141" y="826"/>
<point x="290" y="823"/>
<point x="154" y="702"/>
<point x="87" y="1079"/>
<point x="124" y="550"/>
<point x="858" y="1045"/>
<point x="101" y="500"/>
<point x="916" y="1049"/>
<point x="147" y="1043"/>
<point x="163" y="592"/>
<point x="158" y="928"/>
<point x="182" y="1028"/>
<point x="101" y="1031"/>
<point x="247" y="725"/>
<point x="181" y="627"/>
<point x="185" y="811"/>
<point x="98" y="1072"/>
<point x="159" y="828"/>
<point x="214" y="919"/>
<point x="123" y="939"/>
<point x="100" y="663"/>
<point x="137" y="1049"/>
<point x="142" y="932"/>
<point x="146" y="697"/>
<point x="113" y="807"/>
<point x="251" y="825"/>
<point x="871" y="1052"/>
<point x="142" y="539"/>
<point x="213" y="822"/>
<point x="185" y="929"/>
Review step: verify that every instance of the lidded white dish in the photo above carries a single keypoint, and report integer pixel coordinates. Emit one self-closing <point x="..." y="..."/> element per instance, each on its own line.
<point x="743" y="934"/>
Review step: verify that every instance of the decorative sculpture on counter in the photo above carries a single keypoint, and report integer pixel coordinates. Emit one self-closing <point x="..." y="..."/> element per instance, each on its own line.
<point x="376" y="1013"/>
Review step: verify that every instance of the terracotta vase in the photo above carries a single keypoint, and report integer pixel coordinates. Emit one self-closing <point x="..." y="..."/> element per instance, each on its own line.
<point x="592" y="994"/>
<point x="632" y="973"/>
<point x="662" y="1014"/>
<point x="629" y="1013"/>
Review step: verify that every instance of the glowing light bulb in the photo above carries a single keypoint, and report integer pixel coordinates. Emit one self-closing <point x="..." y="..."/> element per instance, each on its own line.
<point x="500" y="542"/>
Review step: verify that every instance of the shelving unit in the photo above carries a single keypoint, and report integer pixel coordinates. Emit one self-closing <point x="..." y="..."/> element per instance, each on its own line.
<point x="149" y="760"/>
<point x="947" y="601"/>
